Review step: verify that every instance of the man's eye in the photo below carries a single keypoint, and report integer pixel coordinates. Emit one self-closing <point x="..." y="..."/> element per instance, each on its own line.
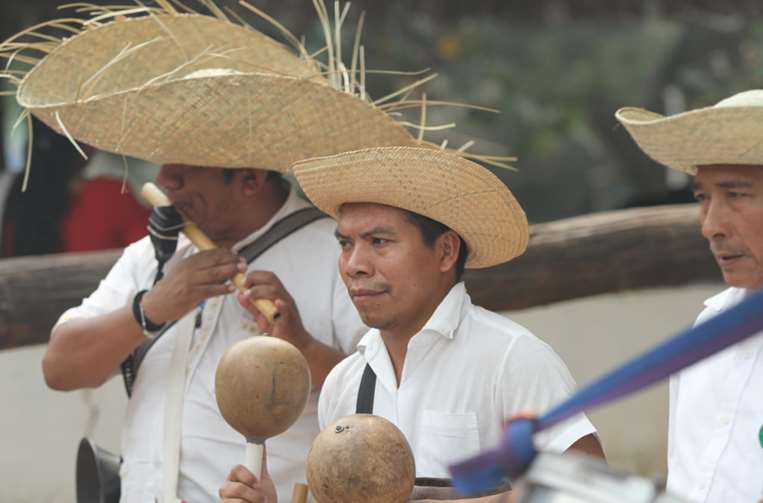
<point x="379" y="241"/>
<point x="343" y="243"/>
<point x="699" y="196"/>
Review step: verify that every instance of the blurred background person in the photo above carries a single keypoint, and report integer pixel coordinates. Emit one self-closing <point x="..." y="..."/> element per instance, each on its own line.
<point x="71" y="204"/>
<point x="106" y="210"/>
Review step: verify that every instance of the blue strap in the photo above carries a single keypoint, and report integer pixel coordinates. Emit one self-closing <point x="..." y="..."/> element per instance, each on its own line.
<point x="513" y="456"/>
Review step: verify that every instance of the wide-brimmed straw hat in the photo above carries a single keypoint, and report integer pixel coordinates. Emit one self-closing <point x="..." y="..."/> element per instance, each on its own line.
<point x="731" y="132"/>
<point x="176" y="87"/>
<point x="441" y="185"/>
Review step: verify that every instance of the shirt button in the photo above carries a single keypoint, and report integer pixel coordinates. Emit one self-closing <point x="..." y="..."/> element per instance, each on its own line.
<point x="725" y="420"/>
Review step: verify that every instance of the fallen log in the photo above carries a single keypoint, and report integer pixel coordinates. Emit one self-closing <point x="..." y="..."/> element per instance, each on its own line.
<point x="35" y="290"/>
<point x="600" y="253"/>
<point x="570" y="258"/>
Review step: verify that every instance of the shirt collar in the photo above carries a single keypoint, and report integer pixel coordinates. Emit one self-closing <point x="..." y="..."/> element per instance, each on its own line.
<point x="447" y="317"/>
<point x="727" y="298"/>
<point x="444" y="321"/>
<point x="293" y="203"/>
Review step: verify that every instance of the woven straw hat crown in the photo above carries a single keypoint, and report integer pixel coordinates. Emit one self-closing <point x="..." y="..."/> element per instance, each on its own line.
<point x="445" y="187"/>
<point x="170" y="87"/>
<point x="729" y="132"/>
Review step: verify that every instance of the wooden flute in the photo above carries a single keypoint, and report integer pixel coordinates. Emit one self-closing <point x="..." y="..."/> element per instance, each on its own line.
<point x="158" y="199"/>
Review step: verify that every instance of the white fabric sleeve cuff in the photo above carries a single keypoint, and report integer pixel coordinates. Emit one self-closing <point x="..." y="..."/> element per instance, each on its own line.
<point x="561" y="437"/>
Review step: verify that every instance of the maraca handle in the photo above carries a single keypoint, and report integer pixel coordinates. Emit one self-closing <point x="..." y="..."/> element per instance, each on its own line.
<point x="253" y="458"/>
<point x="299" y="495"/>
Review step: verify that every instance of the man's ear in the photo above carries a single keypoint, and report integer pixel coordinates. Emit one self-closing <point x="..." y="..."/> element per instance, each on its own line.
<point x="252" y="180"/>
<point x="449" y="245"/>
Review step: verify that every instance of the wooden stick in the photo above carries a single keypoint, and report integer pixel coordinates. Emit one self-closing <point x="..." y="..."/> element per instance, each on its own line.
<point x="158" y="199"/>
<point x="253" y="457"/>
<point x="299" y="495"/>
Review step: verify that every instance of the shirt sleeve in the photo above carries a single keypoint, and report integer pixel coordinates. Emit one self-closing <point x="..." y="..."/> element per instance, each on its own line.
<point x="126" y="277"/>
<point x="534" y="378"/>
<point x="324" y="399"/>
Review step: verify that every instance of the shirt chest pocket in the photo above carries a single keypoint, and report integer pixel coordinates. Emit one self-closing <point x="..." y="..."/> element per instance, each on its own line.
<point x="443" y="438"/>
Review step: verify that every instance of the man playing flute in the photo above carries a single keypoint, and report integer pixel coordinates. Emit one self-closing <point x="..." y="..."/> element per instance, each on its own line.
<point x="225" y="110"/>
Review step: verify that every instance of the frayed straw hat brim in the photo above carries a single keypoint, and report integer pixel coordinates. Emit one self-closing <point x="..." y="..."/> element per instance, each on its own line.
<point x="447" y="188"/>
<point x="197" y="90"/>
<point x="712" y="135"/>
<point x="167" y="86"/>
<point x="248" y="120"/>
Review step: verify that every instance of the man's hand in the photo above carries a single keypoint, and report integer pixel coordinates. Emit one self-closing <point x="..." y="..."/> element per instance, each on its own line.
<point x="193" y="280"/>
<point x="288" y="326"/>
<point x="242" y="486"/>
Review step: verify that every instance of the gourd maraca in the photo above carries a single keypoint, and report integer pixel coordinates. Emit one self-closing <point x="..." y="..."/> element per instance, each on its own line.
<point x="262" y="385"/>
<point x="361" y="458"/>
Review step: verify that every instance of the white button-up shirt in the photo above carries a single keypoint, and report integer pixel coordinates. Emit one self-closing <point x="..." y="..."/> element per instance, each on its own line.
<point x="716" y="416"/>
<point x="306" y="263"/>
<point x="465" y="372"/>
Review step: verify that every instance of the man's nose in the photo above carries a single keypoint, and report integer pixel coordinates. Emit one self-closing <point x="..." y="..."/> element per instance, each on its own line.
<point x="357" y="262"/>
<point x="713" y="218"/>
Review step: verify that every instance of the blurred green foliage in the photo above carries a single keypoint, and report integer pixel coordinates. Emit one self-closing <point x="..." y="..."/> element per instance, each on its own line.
<point x="557" y="87"/>
<point x="556" y="76"/>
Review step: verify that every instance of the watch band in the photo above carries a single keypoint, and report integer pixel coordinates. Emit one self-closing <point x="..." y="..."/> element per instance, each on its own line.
<point x="149" y="327"/>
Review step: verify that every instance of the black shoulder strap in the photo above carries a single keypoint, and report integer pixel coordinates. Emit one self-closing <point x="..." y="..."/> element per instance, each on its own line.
<point x="280" y="230"/>
<point x="365" y="404"/>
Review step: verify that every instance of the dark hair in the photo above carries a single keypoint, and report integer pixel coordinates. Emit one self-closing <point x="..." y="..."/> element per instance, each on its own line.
<point x="431" y="230"/>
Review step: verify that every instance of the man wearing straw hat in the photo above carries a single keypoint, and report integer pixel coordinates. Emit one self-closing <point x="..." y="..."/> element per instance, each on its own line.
<point x="198" y="93"/>
<point x="409" y="220"/>
<point x="715" y="431"/>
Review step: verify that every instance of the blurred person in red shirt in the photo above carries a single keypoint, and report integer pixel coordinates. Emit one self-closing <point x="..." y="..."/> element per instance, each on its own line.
<point x="107" y="210"/>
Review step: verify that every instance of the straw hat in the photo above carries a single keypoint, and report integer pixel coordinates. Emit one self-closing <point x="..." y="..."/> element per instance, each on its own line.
<point x="728" y="133"/>
<point x="172" y="87"/>
<point x="440" y="185"/>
